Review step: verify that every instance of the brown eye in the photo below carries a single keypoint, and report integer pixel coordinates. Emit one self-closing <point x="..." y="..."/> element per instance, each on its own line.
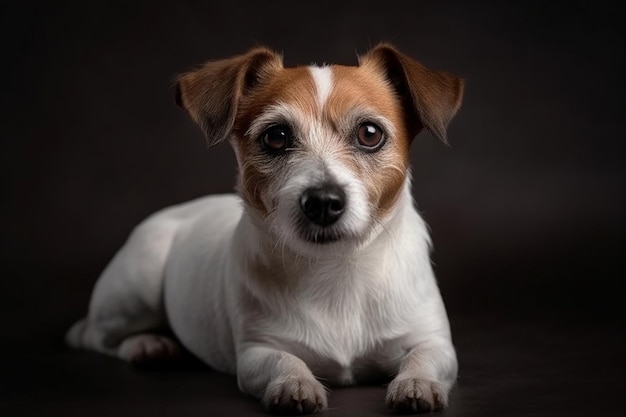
<point x="276" y="139"/>
<point x="370" y="137"/>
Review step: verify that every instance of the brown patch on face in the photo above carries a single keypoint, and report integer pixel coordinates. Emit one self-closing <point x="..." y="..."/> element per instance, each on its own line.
<point x="291" y="86"/>
<point x="252" y="186"/>
<point x="384" y="171"/>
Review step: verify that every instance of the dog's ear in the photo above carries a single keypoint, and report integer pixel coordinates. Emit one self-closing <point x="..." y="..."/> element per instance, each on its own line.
<point x="211" y="93"/>
<point x="432" y="96"/>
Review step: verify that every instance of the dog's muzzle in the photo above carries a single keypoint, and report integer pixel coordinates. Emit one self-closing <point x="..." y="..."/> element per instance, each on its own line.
<point x="323" y="205"/>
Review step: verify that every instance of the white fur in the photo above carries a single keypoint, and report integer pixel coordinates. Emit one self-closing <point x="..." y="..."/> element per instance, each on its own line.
<point x="339" y="314"/>
<point x="250" y="297"/>
<point x="323" y="78"/>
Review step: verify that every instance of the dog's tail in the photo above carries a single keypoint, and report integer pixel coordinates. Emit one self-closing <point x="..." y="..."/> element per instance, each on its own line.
<point x="75" y="336"/>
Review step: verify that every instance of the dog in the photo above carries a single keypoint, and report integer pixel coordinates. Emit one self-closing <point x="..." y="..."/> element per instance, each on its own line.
<point x="318" y="268"/>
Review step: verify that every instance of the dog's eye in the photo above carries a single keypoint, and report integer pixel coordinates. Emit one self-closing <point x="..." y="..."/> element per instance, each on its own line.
<point x="276" y="138"/>
<point x="370" y="137"/>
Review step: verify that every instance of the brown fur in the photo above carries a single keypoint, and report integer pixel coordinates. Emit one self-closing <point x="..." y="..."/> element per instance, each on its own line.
<point x="286" y="85"/>
<point x="384" y="172"/>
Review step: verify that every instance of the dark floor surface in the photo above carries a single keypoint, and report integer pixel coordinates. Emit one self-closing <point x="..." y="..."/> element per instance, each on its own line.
<point x="508" y="367"/>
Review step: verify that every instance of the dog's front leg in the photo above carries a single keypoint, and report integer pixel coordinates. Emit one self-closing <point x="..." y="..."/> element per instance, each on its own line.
<point x="425" y="379"/>
<point x="283" y="381"/>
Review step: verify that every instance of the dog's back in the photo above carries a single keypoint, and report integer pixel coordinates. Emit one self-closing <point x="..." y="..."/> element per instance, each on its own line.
<point x="128" y="297"/>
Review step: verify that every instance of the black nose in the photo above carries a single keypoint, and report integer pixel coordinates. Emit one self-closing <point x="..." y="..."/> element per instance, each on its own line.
<point x="323" y="205"/>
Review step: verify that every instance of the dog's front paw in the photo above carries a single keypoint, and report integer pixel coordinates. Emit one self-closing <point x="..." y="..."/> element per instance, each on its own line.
<point x="294" y="395"/>
<point x="414" y="395"/>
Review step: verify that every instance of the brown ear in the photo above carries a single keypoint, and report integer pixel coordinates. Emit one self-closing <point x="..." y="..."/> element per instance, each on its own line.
<point x="211" y="93"/>
<point x="433" y="97"/>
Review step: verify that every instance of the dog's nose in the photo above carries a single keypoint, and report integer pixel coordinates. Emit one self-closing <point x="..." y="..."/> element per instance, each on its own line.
<point x="323" y="205"/>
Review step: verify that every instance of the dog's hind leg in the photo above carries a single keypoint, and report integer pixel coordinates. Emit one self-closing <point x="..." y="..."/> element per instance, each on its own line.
<point x="126" y="311"/>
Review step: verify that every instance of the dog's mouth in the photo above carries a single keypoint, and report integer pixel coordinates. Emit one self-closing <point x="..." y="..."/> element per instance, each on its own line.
<point x="322" y="238"/>
<point x="318" y="235"/>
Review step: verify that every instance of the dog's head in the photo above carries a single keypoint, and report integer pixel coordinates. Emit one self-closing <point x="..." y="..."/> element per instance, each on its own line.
<point x="323" y="151"/>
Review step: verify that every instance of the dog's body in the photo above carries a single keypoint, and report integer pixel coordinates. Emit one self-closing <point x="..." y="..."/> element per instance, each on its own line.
<point x="320" y="267"/>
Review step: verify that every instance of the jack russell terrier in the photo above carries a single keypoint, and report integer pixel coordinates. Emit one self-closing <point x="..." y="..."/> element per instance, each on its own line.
<point x="319" y="268"/>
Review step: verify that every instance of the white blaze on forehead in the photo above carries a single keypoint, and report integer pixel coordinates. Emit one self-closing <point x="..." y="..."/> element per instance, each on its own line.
<point x="323" y="79"/>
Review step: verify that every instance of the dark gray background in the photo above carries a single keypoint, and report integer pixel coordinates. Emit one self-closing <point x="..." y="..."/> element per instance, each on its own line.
<point x="526" y="207"/>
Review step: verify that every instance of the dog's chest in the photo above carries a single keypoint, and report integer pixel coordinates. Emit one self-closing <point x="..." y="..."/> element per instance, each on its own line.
<point x="346" y="325"/>
<point x="346" y="344"/>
